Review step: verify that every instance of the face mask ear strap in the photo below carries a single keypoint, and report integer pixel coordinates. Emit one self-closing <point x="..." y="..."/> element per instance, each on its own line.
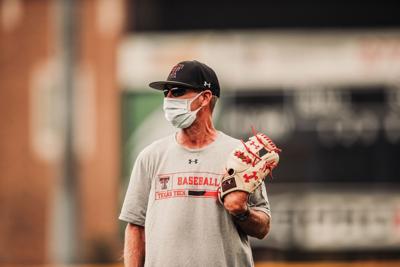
<point x="198" y="96"/>
<point x="211" y="95"/>
<point x="193" y="99"/>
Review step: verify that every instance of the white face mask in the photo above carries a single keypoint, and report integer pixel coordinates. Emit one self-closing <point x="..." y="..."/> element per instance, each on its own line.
<point x="177" y="111"/>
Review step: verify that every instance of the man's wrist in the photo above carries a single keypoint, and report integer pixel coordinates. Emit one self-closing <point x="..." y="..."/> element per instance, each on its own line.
<point x="243" y="216"/>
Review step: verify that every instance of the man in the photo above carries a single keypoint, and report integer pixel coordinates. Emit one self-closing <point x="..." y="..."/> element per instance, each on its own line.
<point x="171" y="206"/>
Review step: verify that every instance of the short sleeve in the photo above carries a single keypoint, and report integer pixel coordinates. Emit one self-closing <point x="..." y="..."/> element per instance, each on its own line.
<point x="259" y="200"/>
<point x="135" y="203"/>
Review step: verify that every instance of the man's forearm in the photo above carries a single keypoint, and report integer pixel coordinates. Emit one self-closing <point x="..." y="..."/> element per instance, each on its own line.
<point x="134" y="247"/>
<point x="256" y="225"/>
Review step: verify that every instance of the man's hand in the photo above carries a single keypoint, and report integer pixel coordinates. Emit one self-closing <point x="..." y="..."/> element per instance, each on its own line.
<point x="236" y="202"/>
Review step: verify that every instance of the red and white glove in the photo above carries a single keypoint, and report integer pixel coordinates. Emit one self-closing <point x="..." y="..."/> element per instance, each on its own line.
<point x="248" y="165"/>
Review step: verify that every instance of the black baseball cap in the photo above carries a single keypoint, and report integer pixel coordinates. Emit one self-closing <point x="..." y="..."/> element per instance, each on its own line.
<point x="190" y="74"/>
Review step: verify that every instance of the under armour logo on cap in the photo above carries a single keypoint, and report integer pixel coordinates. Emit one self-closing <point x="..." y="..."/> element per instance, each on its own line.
<point x="206" y="84"/>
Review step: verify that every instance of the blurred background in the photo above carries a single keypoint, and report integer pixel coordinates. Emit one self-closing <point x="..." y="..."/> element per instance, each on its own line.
<point x="321" y="78"/>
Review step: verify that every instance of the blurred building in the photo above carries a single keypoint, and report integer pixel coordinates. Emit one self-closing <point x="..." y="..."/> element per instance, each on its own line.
<point x="59" y="133"/>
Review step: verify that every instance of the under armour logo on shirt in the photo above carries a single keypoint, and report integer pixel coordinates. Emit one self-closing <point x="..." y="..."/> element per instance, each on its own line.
<point x="206" y="84"/>
<point x="195" y="161"/>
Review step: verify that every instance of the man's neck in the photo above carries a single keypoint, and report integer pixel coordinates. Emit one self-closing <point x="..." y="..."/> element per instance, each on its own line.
<point x="198" y="135"/>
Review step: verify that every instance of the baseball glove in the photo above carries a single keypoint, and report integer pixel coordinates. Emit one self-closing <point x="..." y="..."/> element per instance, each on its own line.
<point x="248" y="165"/>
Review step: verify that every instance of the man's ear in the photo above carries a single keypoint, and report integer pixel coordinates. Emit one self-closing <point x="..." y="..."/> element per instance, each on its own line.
<point x="207" y="97"/>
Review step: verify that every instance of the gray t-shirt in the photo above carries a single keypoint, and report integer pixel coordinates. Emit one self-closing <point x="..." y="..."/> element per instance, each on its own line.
<point x="173" y="193"/>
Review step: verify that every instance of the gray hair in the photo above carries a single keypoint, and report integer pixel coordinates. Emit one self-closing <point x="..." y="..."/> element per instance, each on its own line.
<point x="213" y="101"/>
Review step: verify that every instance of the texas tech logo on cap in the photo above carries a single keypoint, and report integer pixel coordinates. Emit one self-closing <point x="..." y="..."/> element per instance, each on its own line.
<point x="175" y="69"/>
